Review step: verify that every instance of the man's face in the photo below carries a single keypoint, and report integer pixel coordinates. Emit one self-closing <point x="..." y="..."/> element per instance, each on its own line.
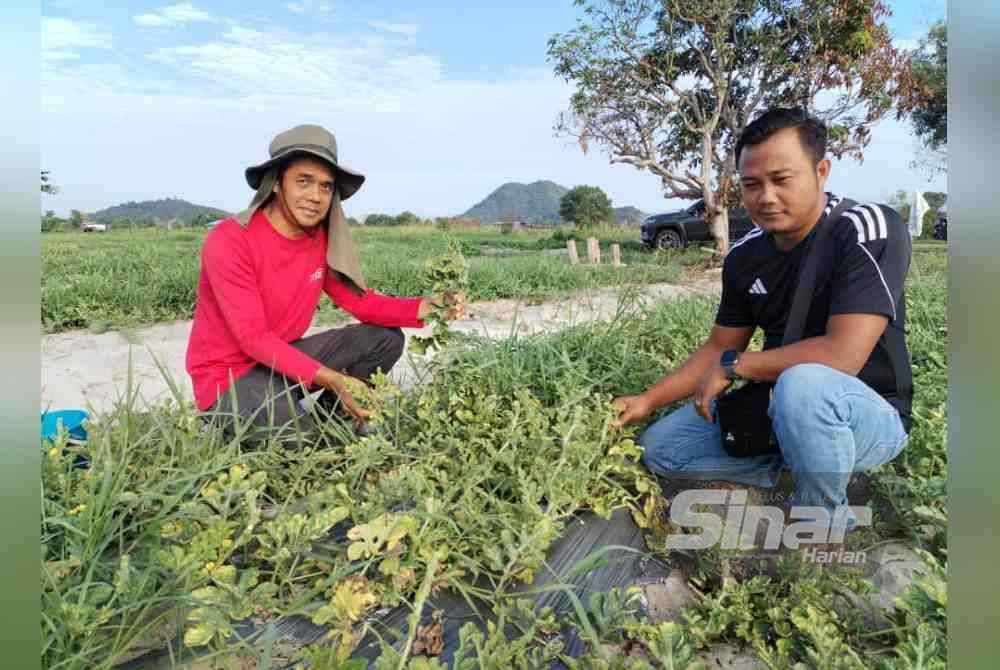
<point x="307" y="190"/>
<point x="781" y="188"/>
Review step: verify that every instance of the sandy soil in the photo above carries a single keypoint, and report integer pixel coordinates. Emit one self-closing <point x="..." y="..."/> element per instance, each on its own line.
<point x="88" y="371"/>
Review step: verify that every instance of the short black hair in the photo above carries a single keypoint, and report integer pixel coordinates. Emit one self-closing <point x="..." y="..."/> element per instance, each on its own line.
<point x="287" y="162"/>
<point x="812" y="131"/>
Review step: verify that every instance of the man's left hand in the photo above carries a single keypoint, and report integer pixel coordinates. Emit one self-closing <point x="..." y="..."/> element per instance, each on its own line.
<point x="712" y="383"/>
<point x="455" y="302"/>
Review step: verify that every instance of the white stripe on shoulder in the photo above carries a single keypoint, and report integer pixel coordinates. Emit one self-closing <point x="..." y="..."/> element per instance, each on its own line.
<point x="883" y="231"/>
<point x="869" y="219"/>
<point x="832" y="202"/>
<point x="857" y="225"/>
<point x="882" y="277"/>
<point x="756" y="232"/>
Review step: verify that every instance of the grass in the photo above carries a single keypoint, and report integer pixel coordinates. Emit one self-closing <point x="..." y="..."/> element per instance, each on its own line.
<point x="90" y="281"/>
<point x="169" y="519"/>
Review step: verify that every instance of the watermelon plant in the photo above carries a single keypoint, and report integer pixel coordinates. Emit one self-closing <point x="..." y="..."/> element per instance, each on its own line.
<point x="448" y="277"/>
<point x="172" y="530"/>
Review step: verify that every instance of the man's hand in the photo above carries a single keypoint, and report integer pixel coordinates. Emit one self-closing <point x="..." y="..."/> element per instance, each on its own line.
<point x="631" y="408"/>
<point x="336" y="382"/>
<point x="454" y="302"/>
<point x="712" y="383"/>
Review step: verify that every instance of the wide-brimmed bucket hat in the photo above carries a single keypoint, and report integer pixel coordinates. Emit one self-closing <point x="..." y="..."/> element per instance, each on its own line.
<point x="316" y="141"/>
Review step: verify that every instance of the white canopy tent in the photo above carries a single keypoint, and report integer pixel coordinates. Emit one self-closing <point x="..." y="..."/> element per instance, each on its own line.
<point x="918" y="207"/>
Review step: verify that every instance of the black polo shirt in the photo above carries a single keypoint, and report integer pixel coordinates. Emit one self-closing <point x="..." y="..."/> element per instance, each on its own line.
<point x="861" y="270"/>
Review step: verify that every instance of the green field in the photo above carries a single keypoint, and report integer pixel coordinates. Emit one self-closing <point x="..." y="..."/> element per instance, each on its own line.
<point x="497" y="452"/>
<point x="90" y="280"/>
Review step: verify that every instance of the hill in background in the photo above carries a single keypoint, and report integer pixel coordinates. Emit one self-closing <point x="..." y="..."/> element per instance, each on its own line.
<point x="537" y="202"/>
<point x="159" y="211"/>
<point x="629" y="216"/>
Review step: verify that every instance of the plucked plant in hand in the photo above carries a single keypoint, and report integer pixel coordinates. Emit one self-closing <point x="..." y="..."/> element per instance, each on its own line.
<point x="447" y="275"/>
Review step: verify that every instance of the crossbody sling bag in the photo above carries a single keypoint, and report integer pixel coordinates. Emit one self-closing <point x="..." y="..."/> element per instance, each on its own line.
<point x="742" y="413"/>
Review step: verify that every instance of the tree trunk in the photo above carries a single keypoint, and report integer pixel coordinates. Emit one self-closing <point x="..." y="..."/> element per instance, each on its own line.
<point x="720" y="231"/>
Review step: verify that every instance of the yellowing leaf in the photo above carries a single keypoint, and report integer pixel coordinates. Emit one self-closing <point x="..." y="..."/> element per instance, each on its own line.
<point x="199" y="635"/>
<point x="389" y="566"/>
<point x="351" y="599"/>
<point x="225" y="574"/>
<point x="355" y="551"/>
<point x="388" y="529"/>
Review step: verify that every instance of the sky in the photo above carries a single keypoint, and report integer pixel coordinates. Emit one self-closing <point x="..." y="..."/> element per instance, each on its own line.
<point x="437" y="103"/>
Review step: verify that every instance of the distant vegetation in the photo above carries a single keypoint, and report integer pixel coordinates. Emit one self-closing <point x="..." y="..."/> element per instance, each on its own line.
<point x="901" y="202"/>
<point x="123" y="278"/>
<point x="167" y="212"/>
<point x="154" y="211"/>
<point x="586" y="207"/>
<point x="537" y="202"/>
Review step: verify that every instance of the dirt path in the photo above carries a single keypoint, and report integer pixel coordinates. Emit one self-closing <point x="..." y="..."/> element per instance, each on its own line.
<point x="88" y="371"/>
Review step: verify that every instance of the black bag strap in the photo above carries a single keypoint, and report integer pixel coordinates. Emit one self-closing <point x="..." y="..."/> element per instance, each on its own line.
<point x="796" y="323"/>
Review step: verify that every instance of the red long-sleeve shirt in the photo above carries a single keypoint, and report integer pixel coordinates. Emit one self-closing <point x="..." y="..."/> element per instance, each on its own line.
<point x="257" y="292"/>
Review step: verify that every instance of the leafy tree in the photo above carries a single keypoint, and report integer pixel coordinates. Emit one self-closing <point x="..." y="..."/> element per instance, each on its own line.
<point x="667" y="85"/>
<point x="380" y="220"/>
<point x="407" y="219"/>
<point x="47" y="186"/>
<point x="351" y="221"/>
<point x="586" y="206"/>
<point x="76" y="218"/>
<point x="935" y="199"/>
<point x="927" y="101"/>
<point x="51" y="222"/>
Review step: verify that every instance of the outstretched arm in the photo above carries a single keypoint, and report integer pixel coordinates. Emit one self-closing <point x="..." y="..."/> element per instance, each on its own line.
<point x="684" y="381"/>
<point x="373" y="307"/>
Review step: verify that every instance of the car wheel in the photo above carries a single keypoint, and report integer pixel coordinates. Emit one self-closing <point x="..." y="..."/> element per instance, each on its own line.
<point x="668" y="239"/>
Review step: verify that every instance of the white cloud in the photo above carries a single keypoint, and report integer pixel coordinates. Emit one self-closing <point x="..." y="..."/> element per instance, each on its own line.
<point x="53" y="55"/>
<point x="308" y="7"/>
<point x="176" y="14"/>
<point x="150" y="20"/>
<point x="405" y="29"/>
<point x="184" y="12"/>
<point x="244" y="35"/>
<point x="280" y="64"/>
<point x="430" y="144"/>
<point x="61" y="36"/>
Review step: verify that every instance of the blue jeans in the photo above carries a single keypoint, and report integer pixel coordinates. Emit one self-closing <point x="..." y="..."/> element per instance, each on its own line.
<point x="828" y="424"/>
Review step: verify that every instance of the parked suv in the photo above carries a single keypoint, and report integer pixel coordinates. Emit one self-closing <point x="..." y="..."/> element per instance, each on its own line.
<point x="674" y="230"/>
<point x="941" y="226"/>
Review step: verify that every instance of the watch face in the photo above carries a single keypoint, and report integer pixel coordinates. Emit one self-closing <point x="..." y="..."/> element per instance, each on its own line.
<point x="729" y="357"/>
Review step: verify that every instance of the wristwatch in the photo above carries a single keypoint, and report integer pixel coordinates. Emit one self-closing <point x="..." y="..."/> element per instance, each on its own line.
<point x="728" y="362"/>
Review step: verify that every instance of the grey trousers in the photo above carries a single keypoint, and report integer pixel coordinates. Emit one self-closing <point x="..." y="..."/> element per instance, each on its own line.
<point x="270" y="401"/>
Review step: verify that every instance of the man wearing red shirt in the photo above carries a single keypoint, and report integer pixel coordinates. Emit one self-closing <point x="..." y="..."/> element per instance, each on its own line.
<point x="263" y="273"/>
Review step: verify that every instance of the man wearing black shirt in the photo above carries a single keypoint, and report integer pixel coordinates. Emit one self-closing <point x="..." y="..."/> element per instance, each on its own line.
<point x="842" y="397"/>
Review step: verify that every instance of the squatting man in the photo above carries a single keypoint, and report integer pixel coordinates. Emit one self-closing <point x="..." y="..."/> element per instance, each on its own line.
<point x="262" y="275"/>
<point x="842" y="393"/>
